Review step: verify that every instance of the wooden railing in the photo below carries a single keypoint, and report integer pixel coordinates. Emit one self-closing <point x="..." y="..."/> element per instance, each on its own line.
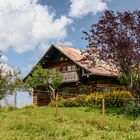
<point x="70" y="76"/>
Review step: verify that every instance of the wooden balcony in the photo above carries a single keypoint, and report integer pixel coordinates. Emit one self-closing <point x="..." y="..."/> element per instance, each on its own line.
<point x="70" y="76"/>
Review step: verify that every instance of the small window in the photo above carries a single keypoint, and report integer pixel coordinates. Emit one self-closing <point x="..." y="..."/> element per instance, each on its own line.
<point x="73" y="67"/>
<point x="86" y="89"/>
<point x="103" y="89"/>
<point x="69" y="68"/>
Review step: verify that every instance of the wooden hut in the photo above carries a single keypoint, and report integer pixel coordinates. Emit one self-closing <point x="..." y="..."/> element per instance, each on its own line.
<point x="79" y="76"/>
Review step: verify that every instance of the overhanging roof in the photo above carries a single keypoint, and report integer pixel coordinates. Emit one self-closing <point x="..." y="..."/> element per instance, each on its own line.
<point x="76" y="56"/>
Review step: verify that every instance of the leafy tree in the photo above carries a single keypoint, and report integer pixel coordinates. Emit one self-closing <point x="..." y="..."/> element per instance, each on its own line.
<point x="116" y="40"/>
<point x="10" y="80"/>
<point x="48" y="79"/>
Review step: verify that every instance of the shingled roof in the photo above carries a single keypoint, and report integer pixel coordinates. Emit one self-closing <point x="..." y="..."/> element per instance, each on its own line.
<point x="76" y="55"/>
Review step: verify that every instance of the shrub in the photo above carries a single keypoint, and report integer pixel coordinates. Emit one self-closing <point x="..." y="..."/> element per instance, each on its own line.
<point x="0" y="109"/>
<point x="70" y="102"/>
<point x="29" y="106"/>
<point x="132" y="108"/>
<point x="8" y="108"/>
<point x="76" y="101"/>
<point x="94" y="99"/>
<point x="80" y="100"/>
<point x="112" y="99"/>
<point x="60" y="102"/>
<point x="117" y="98"/>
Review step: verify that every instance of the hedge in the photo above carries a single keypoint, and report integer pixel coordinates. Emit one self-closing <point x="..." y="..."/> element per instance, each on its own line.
<point x="112" y="99"/>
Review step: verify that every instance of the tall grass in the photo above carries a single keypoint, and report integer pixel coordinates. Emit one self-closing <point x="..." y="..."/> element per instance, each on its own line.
<point x="33" y="123"/>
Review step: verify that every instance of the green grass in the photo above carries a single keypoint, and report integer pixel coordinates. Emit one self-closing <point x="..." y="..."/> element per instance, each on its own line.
<point x="70" y="124"/>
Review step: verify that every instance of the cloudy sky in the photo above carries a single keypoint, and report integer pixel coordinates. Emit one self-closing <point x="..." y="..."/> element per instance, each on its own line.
<point x="28" y="27"/>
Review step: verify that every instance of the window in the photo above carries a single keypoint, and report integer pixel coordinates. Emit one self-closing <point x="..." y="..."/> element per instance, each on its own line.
<point x="69" y="68"/>
<point x="103" y="89"/>
<point x="73" y="67"/>
<point x="85" y="89"/>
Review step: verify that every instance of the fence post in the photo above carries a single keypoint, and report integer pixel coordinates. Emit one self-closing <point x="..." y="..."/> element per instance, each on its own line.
<point x="15" y="97"/>
<point x="96" y="100"/>
<point x="56" y="99"/>
<point x="103" y="111"/>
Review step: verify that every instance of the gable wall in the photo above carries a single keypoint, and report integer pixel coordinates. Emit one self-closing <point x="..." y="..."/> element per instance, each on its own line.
<point x="85" y="84"/>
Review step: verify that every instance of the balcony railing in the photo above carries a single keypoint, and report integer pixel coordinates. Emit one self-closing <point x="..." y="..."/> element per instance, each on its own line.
<point x="70" y="77"/>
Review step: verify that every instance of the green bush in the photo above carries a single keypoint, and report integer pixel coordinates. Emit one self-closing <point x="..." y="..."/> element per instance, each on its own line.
<point x="70" y="102"/>
<point x="132" y="108"/>
<point x="94" y="99"/>
<point x="29" y="106"/>
<point x="0" y="109"/>
<point x="76" y="102"/>
<point x="112" y="99"/>
<point x="8" y="108"/>
<point x="117" y="98"/>
<point x="60" y="102"/>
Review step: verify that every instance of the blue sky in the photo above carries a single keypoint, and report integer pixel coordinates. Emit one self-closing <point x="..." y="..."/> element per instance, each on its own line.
<point x="28" y="27"/>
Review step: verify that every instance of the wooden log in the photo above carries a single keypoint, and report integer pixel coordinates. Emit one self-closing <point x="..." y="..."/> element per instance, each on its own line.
<point x="56" y="103"/>
<point x="103" y="111"/>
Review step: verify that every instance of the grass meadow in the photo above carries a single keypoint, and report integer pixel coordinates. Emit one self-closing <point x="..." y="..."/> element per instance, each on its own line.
<point x="41" y="123"/>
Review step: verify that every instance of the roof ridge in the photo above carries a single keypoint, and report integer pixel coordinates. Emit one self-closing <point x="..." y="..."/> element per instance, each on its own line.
<point x="64" y="45"/>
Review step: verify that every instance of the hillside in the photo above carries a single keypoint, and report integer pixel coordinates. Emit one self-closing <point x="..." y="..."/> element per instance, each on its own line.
<point x="70" y="124"/>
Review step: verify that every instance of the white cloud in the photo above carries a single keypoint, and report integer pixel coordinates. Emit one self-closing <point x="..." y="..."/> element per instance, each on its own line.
<point x="3" y="59"/>
<point x="80" y="8"/>
<point x="25" y="24"/>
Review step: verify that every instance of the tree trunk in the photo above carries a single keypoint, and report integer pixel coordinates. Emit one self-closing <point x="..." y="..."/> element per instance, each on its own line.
<point x="53" y="92"/>
<point x="136" y="93"/>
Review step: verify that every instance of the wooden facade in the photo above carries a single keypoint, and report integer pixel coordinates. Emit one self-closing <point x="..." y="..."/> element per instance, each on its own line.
<point x="78" y="78"/>
<point x="41" y="97"/>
